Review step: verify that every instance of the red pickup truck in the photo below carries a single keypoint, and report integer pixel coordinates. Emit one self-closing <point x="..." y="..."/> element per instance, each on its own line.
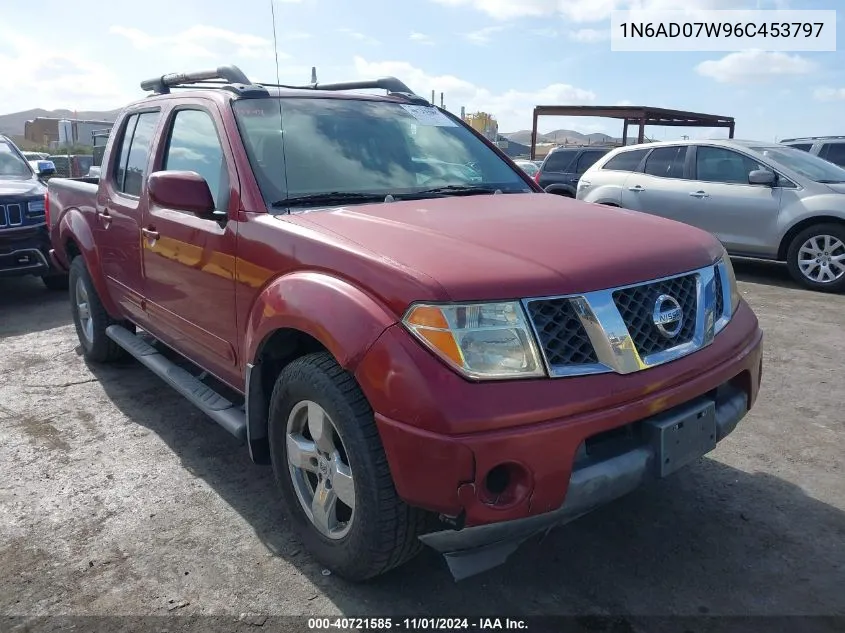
<point x="425" y="346"/>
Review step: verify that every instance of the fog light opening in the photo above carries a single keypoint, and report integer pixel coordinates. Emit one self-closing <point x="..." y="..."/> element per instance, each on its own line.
<point x="505" y="485"/>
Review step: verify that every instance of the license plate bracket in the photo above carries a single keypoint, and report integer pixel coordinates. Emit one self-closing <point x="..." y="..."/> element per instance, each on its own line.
<point x="682" y="435"/>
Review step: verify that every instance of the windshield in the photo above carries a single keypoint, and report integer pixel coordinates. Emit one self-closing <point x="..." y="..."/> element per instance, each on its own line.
<point x="314" y="147"/>
<point x="807" y="165"/>
<point x="11" y="163"/>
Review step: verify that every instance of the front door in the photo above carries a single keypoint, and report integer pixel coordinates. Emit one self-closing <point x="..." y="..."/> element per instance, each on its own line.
<point x="119" y="212"/>
<point x="741" y="215"/>
<point x="189" y="261"/>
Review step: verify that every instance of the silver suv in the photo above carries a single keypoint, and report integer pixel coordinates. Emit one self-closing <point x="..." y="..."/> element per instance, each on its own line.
<point x="762" y="200"/>
<point x="831" y="148"/>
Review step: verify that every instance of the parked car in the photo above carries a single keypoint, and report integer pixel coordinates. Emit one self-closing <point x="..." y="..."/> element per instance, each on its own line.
<point x="528" y="166"/>
<point x="762" y="200"/>
<point x="421" y="359"/>
<point x="563" y="167"/>
<point x="73" y="166"/>
<point x="24" y="241"/>
<point x="831" y="148"/>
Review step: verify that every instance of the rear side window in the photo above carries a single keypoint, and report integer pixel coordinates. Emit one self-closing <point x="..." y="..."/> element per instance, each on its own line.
<point x="804" y="147"/>
<point x="587" y="159"/>
<point x="195" y="146"/>
<point x="666" y="162"/>
<point x="134" y="152"/>
<point x="559" y="161"/>
<point x="626" y="161"/>
<point x="834" y="152"/>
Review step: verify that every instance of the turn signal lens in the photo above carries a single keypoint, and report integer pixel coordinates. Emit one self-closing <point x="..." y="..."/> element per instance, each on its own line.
<point x="480" y="340"/>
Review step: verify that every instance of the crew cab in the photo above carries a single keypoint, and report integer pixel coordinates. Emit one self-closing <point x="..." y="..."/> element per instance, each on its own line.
<point x="422" y="355"/>
<point x="24" y="240"/>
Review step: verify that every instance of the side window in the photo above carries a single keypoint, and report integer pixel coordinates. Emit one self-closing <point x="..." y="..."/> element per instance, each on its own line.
<point x="666" y="162"/>
<point x="834" y="152"/>
<point x="626" y="161"/>
<point x="588" y="159"/>
<point x="195" y="146"/>
<point x="716" y="164"/>
<point x="139" y="152"/>
<point x="559" y="161"/>
<point x="125" y="142"/>
<point x="804" y="147"/>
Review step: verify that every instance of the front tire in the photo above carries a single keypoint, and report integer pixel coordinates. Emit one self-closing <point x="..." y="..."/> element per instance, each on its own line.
<point x="816" y="258"/>
<point x="90" y="317"/>
<point x="330" y="465"/>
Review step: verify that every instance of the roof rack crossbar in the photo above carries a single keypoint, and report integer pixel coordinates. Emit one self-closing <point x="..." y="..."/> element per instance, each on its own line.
<point x="810" y="138"/>
<point x="162" y="85"/>
<point x="391" y="84"/>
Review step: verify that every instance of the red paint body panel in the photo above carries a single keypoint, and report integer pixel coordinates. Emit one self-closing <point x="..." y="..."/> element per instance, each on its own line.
<point x="448" y="427"/>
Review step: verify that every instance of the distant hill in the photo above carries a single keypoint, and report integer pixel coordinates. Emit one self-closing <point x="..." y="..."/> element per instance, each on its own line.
<point x="560" y="136"/>
<point x="13" y="124"/>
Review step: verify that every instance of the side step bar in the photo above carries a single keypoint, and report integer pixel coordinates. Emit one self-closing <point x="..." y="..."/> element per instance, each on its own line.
<point x="228" y="415"/>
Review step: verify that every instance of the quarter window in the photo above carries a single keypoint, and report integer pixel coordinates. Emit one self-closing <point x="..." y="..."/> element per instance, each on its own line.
<point x="626" y="161"/>
<point x="716" y="164"/>
<point x="195" y="146"/>
<point x="804" y="147"/>
<point x="587" y="160"/>
<point x="666" y="162"/>
<point x="559" y="161"/>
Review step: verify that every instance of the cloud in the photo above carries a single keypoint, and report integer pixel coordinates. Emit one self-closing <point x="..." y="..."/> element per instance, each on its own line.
<point x="483" y="36"/>
<point x="512" y="108"/>
<point x="361" y="37"/>
<point x="754" y="66"/>
<point x="200" y="41"/>
<point x="421" y="38"/>
<point x="583" y="10"/>
<point x="590" y="35"/>
<point x="56" y="77"/>
<point x="829" y="94"/>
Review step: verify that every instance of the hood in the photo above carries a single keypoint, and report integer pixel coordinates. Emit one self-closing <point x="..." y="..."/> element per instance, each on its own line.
<point x="21" y="187"/>
<point x="520" y="245"/>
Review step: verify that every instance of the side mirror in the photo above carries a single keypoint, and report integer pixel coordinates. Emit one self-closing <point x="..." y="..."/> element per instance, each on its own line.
<point x="46" y="168"/>
<point x="183" y="191"/>
<point x="762" y="177"/>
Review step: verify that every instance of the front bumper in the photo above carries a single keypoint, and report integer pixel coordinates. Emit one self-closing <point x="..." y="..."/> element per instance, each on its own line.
<point x="24" y="251"/>
<point x="477" y="549"/>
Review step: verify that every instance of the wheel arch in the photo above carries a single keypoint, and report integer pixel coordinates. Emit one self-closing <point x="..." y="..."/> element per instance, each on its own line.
<point x="801" y="225"/>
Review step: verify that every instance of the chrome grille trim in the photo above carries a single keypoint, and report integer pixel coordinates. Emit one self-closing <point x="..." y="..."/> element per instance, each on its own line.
<point x="612" y="342"/>
<point x="11" y="215"/>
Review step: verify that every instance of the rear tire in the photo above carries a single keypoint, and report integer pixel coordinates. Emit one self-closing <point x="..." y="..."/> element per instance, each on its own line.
<point x="816" y="258"/>
<point x="374" y="531"/>
<point x="90" y="317"/>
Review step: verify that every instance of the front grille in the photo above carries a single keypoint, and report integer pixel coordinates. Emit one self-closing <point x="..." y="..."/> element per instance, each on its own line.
<point x="719" y="305"/>
<point x="11" y="215"/>
<point x="563" y="338"/>
<point x="636" y="306"/>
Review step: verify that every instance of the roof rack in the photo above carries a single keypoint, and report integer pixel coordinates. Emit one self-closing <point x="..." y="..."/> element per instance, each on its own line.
<point x="810" y="138"/>
<point x="235" y="80"/>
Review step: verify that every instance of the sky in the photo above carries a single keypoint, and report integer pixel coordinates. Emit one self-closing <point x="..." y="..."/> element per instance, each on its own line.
<point x="498" y="56"/>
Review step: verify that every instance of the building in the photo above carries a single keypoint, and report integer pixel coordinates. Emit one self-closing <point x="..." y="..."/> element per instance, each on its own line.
<point x="45" y="131"/>
<point x="485" y="124"/>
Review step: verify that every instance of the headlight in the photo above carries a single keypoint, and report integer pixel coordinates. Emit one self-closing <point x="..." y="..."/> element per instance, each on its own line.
<point x="727" y="266"/>
<point x="480" y="340"/>
<point x="36" y="207"/>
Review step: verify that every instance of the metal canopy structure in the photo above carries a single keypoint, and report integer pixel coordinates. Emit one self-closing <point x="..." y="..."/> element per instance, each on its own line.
<point x="640" y="116"/>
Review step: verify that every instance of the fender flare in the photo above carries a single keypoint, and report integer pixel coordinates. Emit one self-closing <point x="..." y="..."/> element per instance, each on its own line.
<point x="341" y="317"/>
<point x="74" y="227"/>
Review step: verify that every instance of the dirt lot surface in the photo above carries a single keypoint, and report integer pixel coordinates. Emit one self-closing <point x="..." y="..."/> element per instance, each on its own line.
<point x="117" y="497"/>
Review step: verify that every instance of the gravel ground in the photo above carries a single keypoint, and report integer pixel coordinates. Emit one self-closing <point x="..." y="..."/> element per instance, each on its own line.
<point x="118" y="498"/>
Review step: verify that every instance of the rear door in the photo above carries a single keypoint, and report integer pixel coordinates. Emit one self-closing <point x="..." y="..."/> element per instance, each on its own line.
<point x="741" y="215"/>
<point x="118" y="222"/>
<point x="189" y="262"/>
<point x="661" y="188"/>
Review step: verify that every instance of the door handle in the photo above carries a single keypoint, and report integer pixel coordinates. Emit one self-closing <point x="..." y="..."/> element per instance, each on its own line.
<point x="700" y="194"/>
<point x="151" y="234"/>
<point x="637" y="188"/>
<point x="105" y="217"/>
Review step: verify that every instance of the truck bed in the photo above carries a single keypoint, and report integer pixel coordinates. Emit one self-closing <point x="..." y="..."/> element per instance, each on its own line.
<point x="71" y="193"/>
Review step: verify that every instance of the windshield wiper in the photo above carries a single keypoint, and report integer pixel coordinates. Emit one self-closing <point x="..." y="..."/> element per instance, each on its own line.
<point x="831" y="182"/>
<point x="455" y="190"/>
<point x="328" y="198"/>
